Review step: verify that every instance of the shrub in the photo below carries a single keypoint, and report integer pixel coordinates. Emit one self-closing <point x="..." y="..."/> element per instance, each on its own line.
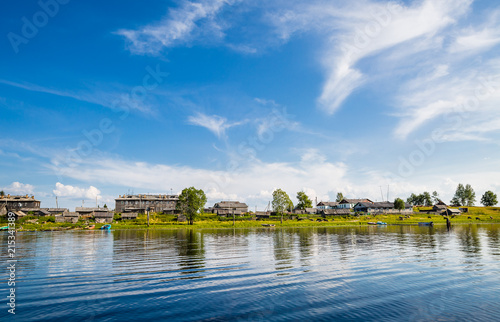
<point x="48" y="219"/>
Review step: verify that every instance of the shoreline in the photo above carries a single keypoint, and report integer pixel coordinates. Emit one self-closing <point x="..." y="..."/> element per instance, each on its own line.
<point x="211" y="221"/>
<point x="260" y="225"/>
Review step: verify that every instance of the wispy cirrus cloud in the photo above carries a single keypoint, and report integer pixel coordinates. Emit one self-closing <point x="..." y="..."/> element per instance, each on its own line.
<point x="179" y="27"/>
<point x="214" y="123"/>
<point x="113" y="98"/>
<point x="358" y="30"/>
<point x="421" y="47"/>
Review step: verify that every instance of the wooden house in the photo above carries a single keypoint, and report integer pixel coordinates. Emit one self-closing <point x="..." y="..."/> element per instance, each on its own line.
<point x="228" y="208"/>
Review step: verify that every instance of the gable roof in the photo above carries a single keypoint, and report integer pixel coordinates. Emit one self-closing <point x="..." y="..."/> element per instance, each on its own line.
<point x="354" y="201"/>
<point x="230" y="204"/>
<point x="328" y="203"/>
<point x="440" y="203"/>
<point x="380" y="204"/>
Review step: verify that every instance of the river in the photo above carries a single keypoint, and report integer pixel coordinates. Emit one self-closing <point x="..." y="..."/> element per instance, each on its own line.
<point x="395" y="273"/>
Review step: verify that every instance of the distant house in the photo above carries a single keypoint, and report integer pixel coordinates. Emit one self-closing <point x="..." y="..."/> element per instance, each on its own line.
<point x="335" y="212"/>
<point x="14" y="203"/>
<point x="439" y="207"/>
<point x="307" y="211"/>
<point x="262" y="214"/>
<point x="101" y="215"/>
<point x="384" y="207"/>
<point x="451" y="212"/>
<point x="129" y="215"/>
<point x="71" y="217"/>
<point x="56" y="211"/>
<point x="327" y="205"/>
<point x="141" y="203"/>
<point x="228" y="208"/>
<point x="350" y="203"/>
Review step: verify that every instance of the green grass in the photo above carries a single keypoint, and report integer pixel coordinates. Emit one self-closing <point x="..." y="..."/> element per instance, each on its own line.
<point x="161" y="221"/>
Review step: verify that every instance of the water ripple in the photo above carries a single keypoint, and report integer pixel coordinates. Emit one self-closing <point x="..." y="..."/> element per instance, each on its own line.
<point x="350" y="273"/>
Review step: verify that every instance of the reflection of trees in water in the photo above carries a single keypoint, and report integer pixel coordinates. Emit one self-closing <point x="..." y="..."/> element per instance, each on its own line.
<point x="191" y="250"/>
<point x="352" y="238"/>
<point x="305" y="243"/>
<point x="468" y="238"/>
<point x="424" y="238"/>
<point x="283" y="247"/>
<point x="493" y="233"/>
<point x="470" y="243"/>
<point x="235" y="241"/>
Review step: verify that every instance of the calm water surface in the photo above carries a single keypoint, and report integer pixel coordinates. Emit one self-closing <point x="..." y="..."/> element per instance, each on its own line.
<point x="390" y="273"/>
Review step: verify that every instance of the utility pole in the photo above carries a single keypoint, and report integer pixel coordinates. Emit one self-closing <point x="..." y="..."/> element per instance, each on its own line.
<point x="57" y="205"/>
<point x="233" y="218"/>
<point x="148" y="215"/>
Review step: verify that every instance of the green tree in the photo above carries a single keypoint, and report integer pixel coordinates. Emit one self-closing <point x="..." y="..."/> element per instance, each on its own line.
<point x="281" y="202"/>
<point x="459" y="197"/>
<point x="105" y="206"/>
<point x="304" y="201"/>
<point x="412" y="199"/>
<point x="340" y="197"/>
<point x="469" y="196"/>
<point x="416" y="200"/>
<point x="2" y="193"/>
<point x="399" y="204"/>
<point x="191" y="203"/>
<point x="427" y="199"/>
<point x="489" y="199"/>
<point x="435" y="197"/>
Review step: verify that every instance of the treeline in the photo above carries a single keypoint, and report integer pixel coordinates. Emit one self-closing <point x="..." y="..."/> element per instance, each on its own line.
<point x="464" y="196"/>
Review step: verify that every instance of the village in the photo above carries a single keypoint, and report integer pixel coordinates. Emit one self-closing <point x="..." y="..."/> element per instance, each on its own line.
<point x="130" y="207"/>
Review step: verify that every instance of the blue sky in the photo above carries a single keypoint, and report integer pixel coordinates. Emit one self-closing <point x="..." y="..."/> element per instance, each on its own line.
<point x="242" y="97"/>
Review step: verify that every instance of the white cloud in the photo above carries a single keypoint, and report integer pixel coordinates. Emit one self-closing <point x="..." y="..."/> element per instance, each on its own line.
<point x="241" y="182"/>
<point x="215" y="124"/>
<point x="178" y="27"/>
<point x="466" y="99"/>
<point x="76" y="192"/>
<point x="255" y="181"/>
<point x="18" y="188"/>
<point x="357" y="30"/>
<point x="119" y="99"/>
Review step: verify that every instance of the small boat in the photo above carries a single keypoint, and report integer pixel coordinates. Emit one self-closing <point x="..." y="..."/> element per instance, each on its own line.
<point x="426" y="224"/>
<point x="4" y="228"/>
<point x="106" y="227"/>
<point x="372" y="223"/>
<point x="90" y="227"/>
<point x="381" y="223"/>
<point x="268" y="225"/>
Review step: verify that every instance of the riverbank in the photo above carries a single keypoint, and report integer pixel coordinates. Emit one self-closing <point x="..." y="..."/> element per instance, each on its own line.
<point x="158" y="221"/>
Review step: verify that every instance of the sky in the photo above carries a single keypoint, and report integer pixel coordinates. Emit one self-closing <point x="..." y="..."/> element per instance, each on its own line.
<point x="374" y="99"/>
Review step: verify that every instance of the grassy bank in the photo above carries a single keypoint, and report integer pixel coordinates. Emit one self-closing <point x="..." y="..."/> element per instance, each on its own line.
<point x="160" y="221"/>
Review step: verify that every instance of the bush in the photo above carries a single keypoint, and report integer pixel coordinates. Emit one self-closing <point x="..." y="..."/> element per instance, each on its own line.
<point x="48" y="219"/>
<point x="117" y="217"/>
<point x="23" y="219"/>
